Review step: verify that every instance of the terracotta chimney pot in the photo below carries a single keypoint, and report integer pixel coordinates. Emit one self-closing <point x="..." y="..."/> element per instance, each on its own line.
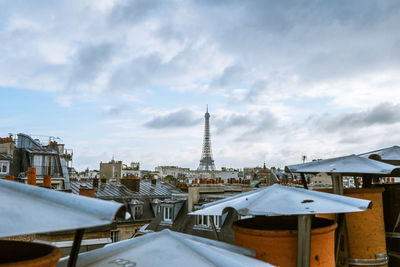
<point x="47" y="181"/>
<point x="31" y="176"/>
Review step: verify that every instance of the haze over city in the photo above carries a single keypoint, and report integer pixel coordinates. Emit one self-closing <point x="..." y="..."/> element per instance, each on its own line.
<point x="131" y="79"/>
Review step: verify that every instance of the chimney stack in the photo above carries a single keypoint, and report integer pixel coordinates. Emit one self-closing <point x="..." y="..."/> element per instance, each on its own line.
<point x="132" y="183"/>
<point x="47" y="181"/>
<point x="84" y="191"/>
<point x="31" y="176"/>
<point x="95" y="183"/>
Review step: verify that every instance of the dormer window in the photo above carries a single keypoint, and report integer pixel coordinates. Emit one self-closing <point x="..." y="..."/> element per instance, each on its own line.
<point x="167" y="214"/>
<point x="137" y="208"/>
<point x="138" y="211"/>
<point x="156" y="205"/>
<point x="170" y="210"/>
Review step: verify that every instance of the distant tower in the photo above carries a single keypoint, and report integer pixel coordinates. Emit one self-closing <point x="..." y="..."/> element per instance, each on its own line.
<point x="206" y="161"/>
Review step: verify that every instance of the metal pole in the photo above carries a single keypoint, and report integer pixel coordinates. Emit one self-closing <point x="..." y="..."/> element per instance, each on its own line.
<point x="303" y="240"/>
<point x="341" y="238"/>
<point x="303" y="179"/>
<point x="337" y="184"/>
<point x="73" y="257"/>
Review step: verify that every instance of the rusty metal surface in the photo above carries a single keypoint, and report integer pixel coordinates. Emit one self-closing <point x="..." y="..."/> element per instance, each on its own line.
<point x="168" y="248"/>
<point x="352" y="164"/>
<point x="279" y="200"/>
<point x="27" y="209"/>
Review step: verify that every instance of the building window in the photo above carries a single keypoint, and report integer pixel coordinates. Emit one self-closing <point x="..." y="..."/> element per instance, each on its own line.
<point x="114" y="236"/>
<point x="201" y="220"/>
<point x="138" y="211"/>
<point x="205" y="221"/>
<point x="44" y="164"/>
<point x="4" y="167"/>
<point x="217" y="220"/>
<point x="167" y="214"/>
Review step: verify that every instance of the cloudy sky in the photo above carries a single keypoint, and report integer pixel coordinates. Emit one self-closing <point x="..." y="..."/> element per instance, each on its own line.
<point x="131" y="79"/>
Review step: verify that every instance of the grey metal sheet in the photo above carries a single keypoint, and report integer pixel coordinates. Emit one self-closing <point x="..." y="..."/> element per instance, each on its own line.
<point x="27" y="209"/>
<point x="41" y="151"/>
<point x="279" y="200"/>
<point x="348" y="165"/>
<point x="67" y="182"/>
<point x="389" y="153"/>
<point x="25" y="141"/>
<point x="167" y="248"/>
<point x="117" y="190"/>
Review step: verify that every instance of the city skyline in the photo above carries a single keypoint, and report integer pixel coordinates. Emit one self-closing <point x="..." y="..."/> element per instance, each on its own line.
<point x="131" y="79"/>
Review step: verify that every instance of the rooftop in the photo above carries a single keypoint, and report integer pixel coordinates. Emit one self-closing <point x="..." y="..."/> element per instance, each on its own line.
<point x="5" y="156"/>
<point x="113" y="190"/>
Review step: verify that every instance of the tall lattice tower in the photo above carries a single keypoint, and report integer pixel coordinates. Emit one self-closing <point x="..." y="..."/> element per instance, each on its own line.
<point x="206" y="161"/>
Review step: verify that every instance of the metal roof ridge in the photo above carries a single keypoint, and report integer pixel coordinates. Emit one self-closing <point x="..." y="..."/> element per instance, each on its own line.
<point x="372" y="152"/>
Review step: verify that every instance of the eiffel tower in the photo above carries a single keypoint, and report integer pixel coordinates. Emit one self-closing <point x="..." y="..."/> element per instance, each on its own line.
<point x="206" y="161"/>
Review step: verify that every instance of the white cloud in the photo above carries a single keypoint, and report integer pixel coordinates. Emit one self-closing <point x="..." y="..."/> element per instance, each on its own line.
<point x="267" y="69"/>
<point x="64" y="101"/>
